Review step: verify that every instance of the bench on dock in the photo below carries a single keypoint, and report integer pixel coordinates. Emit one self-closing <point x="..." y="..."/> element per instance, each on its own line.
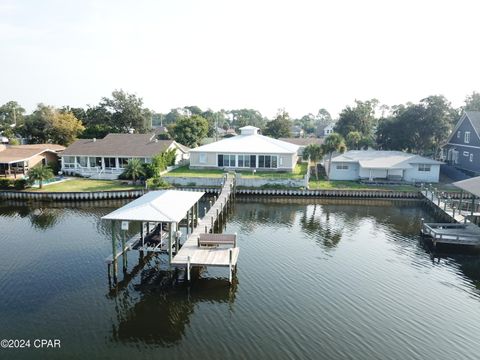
<point x="215" y="240"/>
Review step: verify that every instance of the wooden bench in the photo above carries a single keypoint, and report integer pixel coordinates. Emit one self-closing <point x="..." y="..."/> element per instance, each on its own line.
<point x="215" y="240"/>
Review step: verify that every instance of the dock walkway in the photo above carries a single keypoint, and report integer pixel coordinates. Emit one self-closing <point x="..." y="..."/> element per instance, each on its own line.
<point x="190" y="254"/>
<point x="455" y="214"/>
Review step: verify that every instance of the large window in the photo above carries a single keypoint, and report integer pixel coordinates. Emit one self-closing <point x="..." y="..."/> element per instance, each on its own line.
<point x="68" y="162"/>
<point x="122" y="162"/>
<point x="244" y="161"/>
<point x="424" y="167"/>
<point x="82" y="161"/>
<point x="95" y="161"/>
<point x="202" y="158"/>
<point x="467" y="137"/>
<point x="342" y="166"/>
<point x="226" y="160"/>
<point x="109" y="163"/>
<point x="267" y="161"/>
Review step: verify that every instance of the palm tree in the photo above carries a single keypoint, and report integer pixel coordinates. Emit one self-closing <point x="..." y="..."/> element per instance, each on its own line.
<point x="314" y="154"/>
<point x="40" y="173"/>
<point x="333" y="143"/>
<point x="353" y="139"/>
<point x="134" y="169"/>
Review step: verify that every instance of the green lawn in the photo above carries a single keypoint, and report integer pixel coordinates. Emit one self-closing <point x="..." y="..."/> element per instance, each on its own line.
<point x="353" y="185"/>
<point x="77" y="185"/>
<point x="184" y="171"/>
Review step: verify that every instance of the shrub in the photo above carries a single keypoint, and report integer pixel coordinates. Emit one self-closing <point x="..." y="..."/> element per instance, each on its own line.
<point x="5" y="183"/>
<point x="20" y="184"/>
<point x="157" y="183"/>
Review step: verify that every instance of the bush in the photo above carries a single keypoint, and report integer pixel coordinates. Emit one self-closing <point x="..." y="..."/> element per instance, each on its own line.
<point x="157" y="183"/>
<point x="5" y="183"/>
<point x="20" y="184"/>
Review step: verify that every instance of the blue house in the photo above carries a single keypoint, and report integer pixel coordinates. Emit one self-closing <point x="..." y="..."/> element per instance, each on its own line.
<point x="463" y="146"/>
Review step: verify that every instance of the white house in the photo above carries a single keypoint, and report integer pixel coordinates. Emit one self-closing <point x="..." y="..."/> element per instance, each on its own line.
<point x="106" y="158"/>
<point x="388" y="165"/>
<point x="249" y="150"/>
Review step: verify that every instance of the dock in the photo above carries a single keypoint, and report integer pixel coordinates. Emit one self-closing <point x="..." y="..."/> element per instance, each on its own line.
<point x="192" y="254"/>
<point x="461" y="230"/>
<point x="161" y="213"/>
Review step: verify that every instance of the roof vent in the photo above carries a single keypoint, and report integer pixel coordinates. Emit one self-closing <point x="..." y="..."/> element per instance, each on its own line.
<point x="94" y="139"/>
<point x="249" y="130"/>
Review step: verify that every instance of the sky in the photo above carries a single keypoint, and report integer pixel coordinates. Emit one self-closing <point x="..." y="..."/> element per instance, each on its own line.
<point x="298" y="55"/>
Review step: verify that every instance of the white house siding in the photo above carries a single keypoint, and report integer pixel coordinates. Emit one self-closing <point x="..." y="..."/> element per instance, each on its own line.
<point x="413" y="175"/>
<point x="373" y="173"/>
<point x="287" y="161"/>
<point x="344" y="174"/>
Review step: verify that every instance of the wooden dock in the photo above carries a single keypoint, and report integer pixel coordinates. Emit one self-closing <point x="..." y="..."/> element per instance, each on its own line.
<point x="191" y="254"/>
<point x="461" y="230"/>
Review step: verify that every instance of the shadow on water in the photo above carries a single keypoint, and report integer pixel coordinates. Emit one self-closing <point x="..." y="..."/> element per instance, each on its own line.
<point x="157" y="309"/>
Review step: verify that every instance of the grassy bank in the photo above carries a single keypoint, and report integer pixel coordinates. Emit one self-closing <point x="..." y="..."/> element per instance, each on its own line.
<point x="78" y="185"/>
<point x="353" y="185"/>
<point x="298" y="173"/>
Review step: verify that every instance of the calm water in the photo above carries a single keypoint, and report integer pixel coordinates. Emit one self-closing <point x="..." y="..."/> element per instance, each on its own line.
<point x="324" y="280"/>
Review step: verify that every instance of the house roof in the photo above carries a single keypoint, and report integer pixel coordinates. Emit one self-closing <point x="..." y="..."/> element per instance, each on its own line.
<point x="141" y="145"/>
<point x="373" y="159"/>
<point x="249" y="143"/>
<point x="303" y="141"/>
<point x="473" y="116"/>
<point x="157" y="206"/>
<point x="17" y="153"/>
<point x="470" y="185"/>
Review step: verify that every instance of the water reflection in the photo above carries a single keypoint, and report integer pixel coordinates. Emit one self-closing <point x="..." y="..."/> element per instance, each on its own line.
<point x="157" y="309"/>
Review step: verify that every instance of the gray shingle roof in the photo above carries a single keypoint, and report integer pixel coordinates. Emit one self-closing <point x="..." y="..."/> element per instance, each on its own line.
<point x="137" y="145"/>
<point x="474" y="117"/>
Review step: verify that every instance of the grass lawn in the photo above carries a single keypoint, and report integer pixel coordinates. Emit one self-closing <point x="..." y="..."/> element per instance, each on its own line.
<point x="353" y="185"/>
<point x="184" y="171"/>
<point x="76" y="185"/>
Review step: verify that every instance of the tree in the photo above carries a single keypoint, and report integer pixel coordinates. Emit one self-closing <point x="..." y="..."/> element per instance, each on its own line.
<point x="360" y="117"/>
<point x="133" y="169"/>
<point x="40" y="173"/>
<point x="189" y="131"/>
<point x="333" y="143"/>
<point x="314" y="154"/>
<point x="127" y="112"/>
<point x="472" y="102"/>
<point x="11" y="114"/>
<point x="245" y="117"/>
<point x="280" y="126"/>
<point x="353" y="139"/>
<point x="65" y="128"/>
<point x="307" y="123"/>
<point x="323" y="117"/>
<point x="46" y="125"/>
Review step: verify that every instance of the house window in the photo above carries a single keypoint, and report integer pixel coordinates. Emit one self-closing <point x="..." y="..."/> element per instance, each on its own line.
<point x="69" y="162"/>
<point x="471" y="157"/>
<point x="110" y="162"/>
<point x="459" y="134"/>
<point x="342" y="166"/>
<point x="226" y="160"/>
<point x="95" y="161"/>
<point x="122" y="162"/>
<point x="466" y="153"/>
<point x="267" y="161"/>
<point x="82" y="161"/>
<point x="244" y="161"/>
<point x="424" y="167"/>
<point x="467" y="137"/>
<point x="202" y="158"/>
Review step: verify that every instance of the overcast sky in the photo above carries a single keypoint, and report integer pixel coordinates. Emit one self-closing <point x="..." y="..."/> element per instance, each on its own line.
<point x="298" y="55"/>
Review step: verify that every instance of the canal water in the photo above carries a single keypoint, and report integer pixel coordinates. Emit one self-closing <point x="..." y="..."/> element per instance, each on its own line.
<point x="346" y="279"/>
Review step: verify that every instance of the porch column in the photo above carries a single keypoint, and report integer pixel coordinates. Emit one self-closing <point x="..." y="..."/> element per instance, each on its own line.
<point x="117" y="163"/>
<point x="103" y="163"/>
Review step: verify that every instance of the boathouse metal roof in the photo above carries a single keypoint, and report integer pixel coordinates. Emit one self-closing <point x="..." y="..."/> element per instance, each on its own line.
<point x="375" y="159"/>
<point x="469" y="185"/>
<point x="157" y="206"/>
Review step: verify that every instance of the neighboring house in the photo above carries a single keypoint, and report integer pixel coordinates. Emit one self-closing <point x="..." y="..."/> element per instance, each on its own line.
<point x="388" y="165"/>
<point x="249" y="150"/>
<point x="160" y="130"/>
<point x="296" y="131"/>
<point x="463" y="146"/>
<point x="18" y="159"/>
<point x="325" y="129"/>
<point x="106" y="158"/>
<point x="302" y="142"/>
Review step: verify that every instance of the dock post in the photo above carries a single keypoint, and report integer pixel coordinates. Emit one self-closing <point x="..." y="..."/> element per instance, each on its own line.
<point x="210" y="203"/>
<point x="198" y="211"/>
<point x="212" y="225"/>
<point x="192" y="226"/>
<point x="230" y="265"/>
<point x="206" y="231"/>
<point x="188" y="268"/>
<point x="188" y="220"/>
<point x="114" y="251"/>
<point x="170" y="239"/>
<point x="124" y="251"/>
<point x="218" y="220"/>
<point x="205" y="211"/>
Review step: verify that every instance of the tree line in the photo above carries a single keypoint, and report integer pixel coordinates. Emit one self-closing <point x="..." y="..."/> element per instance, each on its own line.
<point x="415" y="127"/>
